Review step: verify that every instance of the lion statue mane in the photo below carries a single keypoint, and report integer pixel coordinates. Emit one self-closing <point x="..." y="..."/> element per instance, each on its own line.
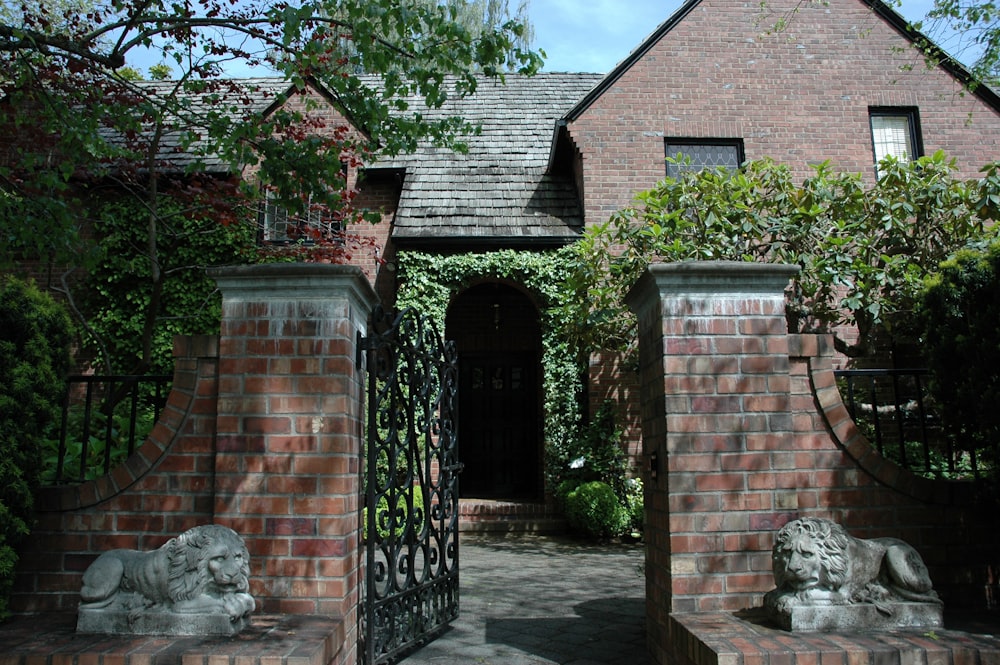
<point x="204" y="570"/>
<point x="816" y="562"/>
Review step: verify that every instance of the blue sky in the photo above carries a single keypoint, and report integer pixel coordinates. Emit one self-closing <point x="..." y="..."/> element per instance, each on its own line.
<point x="587" y="35"/>
<point x="595" y="35"/>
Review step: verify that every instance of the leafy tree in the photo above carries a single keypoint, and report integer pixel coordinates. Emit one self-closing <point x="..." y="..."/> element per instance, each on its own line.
<point x="79" y="128"/>
<point x="34" y="360"/>
<point x="863" y="253"/>
<point x="118" y="290"/>
<point x="477" y="17"/>
<point x="958" y="313"/>
<point x="969" y="30"/>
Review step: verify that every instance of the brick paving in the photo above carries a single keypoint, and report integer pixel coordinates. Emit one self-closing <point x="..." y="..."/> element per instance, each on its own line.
<point x="52" y="640"/>
<point x="530" y="600"/>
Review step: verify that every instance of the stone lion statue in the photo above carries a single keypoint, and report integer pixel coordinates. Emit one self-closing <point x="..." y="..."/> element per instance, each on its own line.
<point x="816" y="562"/>
<point x="205" y="570"/>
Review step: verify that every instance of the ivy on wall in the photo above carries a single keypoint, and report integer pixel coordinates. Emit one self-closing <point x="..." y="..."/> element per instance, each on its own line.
<point x="429" y="282"/>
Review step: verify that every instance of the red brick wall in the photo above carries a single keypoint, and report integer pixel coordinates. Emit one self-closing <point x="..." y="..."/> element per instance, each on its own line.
<point x="163" y="489"/>
<point x="745" y="428"/>
<point x="612" y="376"/>
<point x="262" y="433"/>
<point x="799" y="97"/>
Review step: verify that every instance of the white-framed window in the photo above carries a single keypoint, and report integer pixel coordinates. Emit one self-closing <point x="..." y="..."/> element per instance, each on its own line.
<point x="279" y="225"/>
<point x="895" y="133"/>
<point x="702" y="154"/>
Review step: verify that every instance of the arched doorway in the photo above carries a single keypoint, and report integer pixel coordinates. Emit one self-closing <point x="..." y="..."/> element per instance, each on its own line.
<point x="498" y="337"/>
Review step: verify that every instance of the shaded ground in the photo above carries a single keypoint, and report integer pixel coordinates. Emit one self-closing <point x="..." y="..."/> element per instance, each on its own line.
<point x="531" y="600"/>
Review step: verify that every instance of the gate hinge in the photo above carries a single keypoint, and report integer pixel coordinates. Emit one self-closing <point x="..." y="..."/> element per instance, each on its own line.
<point x="362" y="345"/>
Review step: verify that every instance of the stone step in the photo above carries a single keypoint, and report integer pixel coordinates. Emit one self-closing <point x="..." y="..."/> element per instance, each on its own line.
<point x="491" y="516"/>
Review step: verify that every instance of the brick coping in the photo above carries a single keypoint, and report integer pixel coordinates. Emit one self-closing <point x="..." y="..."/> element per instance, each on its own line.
<point x="745" y="638"/>
<point x="270" y="640"/>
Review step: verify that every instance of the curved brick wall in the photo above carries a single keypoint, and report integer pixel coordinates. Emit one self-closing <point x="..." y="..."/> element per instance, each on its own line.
<point x="163" y="489"/>
<point x="744" y="430"/>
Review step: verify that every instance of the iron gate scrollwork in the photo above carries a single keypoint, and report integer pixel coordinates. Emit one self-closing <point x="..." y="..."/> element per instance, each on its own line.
<point x="410" y="510"/>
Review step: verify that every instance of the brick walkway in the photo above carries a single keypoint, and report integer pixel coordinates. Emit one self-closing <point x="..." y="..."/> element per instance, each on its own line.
<point x="541" y="601"/>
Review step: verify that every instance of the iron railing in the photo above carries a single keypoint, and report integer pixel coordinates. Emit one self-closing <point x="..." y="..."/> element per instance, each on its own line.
<point x="893" y="408"/>
<point x="104" y="418"/>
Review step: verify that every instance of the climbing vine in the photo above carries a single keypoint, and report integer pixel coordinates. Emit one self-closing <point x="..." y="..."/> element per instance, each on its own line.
<point x="429" y="282"/>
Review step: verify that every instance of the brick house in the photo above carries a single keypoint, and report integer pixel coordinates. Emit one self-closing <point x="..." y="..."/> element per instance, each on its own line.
<point x="560" y="151"/>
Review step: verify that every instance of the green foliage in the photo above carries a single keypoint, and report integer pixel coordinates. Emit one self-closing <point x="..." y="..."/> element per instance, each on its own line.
<point x="595" y="456"/>
<point x="595" y="453"/>
<point x="971" y="30"/>
<point x="863" y="252"/>
<point x="83" y="124"/>
<point x="97" y="441"/>
<point x="959" y="313"/>
<point x="428" y="282"/>
<point x="593" y="508"/>
<point x="120" y="293"/>
<point x="634" y="503"/>
<point x="409" y="511"/>
<point x="35" y="336"/>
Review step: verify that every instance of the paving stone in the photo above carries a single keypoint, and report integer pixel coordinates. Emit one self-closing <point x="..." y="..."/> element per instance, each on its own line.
<point x="536" y="600"/>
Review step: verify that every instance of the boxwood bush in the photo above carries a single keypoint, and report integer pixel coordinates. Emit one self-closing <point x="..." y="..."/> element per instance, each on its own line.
<point x="35" y="337"/>
<point x="594" y="509"/>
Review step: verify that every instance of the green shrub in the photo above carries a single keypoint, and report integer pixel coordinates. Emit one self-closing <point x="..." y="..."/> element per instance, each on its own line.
<point x="958" y="311"/>
<point x="35" y="337"/>
<point x="595" y="453"/>
<point x="120" y="288"/>
<point x="594" y="509"/>
<point x="634" y="504"/>
<point x="93" y="466"/>
<point x="387" y="524"/>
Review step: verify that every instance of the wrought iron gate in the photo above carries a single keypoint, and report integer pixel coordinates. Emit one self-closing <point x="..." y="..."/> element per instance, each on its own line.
<point x="410" y="465"/>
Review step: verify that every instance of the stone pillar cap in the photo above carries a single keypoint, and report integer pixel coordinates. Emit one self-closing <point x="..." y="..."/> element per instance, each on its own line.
<point x="712" y="277"/>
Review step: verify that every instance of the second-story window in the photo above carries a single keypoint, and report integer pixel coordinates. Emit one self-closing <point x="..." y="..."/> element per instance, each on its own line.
<point x="895" y="133"/>
<point x="279" y="225"/>
<point x="703" y="154"/>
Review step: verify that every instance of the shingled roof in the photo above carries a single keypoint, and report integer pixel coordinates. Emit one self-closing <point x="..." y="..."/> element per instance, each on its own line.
<point x="499" y="192"/>
<point x="238" y="99"/>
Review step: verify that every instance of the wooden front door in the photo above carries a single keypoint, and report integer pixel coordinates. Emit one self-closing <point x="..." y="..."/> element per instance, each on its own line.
<point x="498" y="421"/>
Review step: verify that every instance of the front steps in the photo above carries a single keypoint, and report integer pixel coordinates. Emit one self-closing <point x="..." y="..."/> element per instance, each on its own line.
<point x="491" y="516"/>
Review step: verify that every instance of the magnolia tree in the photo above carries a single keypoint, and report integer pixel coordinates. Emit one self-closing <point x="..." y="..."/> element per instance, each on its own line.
<point x="82" y="132"/>
<point x="863" y="251"/>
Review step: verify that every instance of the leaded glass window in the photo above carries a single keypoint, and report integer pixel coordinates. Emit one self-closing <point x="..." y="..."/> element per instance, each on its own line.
<point x="699" y="154"/>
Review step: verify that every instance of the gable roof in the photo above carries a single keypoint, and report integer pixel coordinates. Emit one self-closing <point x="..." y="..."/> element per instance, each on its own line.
<point x="235" y="98"/>
<point x="889" y="15"/>
<point x="499" y="192"/>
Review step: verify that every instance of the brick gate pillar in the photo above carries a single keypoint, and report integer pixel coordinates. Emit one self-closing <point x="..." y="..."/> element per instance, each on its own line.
<point x="290" y="421"/>
<point x="717" y="432"/>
